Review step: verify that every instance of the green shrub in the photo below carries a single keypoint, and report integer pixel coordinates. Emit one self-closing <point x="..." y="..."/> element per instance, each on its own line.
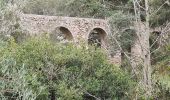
<point x="161" y="75"/>
<point x="38" y="68"/>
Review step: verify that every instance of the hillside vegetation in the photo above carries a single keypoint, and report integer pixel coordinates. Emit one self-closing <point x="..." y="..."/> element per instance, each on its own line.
<point x="37" y="68"/>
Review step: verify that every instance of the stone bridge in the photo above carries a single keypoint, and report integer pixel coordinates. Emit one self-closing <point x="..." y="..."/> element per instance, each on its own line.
<point x="73" y="28"/>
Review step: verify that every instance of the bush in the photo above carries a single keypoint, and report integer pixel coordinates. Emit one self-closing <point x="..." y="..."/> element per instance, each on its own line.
<point x="39" y="69"/>
<point x="161" y="76"/>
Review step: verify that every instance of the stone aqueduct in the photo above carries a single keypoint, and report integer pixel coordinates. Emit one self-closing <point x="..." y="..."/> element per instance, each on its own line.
<point x="74" y="28"/>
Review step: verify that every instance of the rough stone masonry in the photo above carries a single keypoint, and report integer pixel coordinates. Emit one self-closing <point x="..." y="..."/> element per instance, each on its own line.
<point x="75" y="28"/>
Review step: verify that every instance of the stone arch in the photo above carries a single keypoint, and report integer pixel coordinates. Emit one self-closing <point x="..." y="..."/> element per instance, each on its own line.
<point x="61" y="33"/>
<point x="128" y="37"/>
<point x="129" y="45"/>
<point x="97" y="37"/>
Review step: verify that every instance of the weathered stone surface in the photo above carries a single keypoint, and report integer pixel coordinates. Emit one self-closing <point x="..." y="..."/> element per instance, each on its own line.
<point x="80" y="28"/>
<point x="37" y="24"/>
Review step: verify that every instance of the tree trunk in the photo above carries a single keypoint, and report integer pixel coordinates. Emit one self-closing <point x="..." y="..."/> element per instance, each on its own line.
<point x="142" y="43"/>
<point x="146" y="53"/>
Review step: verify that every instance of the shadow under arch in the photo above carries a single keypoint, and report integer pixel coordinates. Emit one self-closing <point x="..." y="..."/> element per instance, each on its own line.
<point x="154" y="39"/>
<point x="97" y="37"/>
<point x="155" y="43"/>
<point x="61" y="33"/>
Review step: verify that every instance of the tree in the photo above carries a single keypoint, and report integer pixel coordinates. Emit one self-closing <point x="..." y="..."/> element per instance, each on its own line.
<point x="143" y="38"/>
<point x="143" y="34"/>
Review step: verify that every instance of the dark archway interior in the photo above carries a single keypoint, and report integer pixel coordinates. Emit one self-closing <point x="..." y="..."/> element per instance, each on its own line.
<point x="154" y="41"/>
<point x="97" y="37"/>
<point x="67" y="34"/>
<point x="127" y="39"/>
<point x="60" y="34"/>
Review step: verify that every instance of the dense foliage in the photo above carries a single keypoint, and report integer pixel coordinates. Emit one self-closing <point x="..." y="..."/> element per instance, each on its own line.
<point x="38" y="68"/>
<point x="80" y="8"/>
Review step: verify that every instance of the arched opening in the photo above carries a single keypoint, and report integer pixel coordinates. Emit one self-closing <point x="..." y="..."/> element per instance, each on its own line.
<point x="128" y="40"/>
<point x="61" y="34"/>
<point x="97" y="37"/>
<point x="154" y="39"/>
